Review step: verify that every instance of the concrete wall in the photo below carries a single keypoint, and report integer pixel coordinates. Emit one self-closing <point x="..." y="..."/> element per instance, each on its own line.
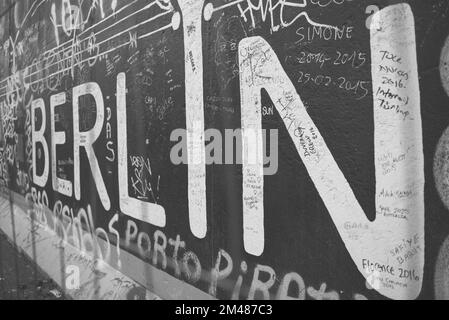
<point x="97" y="179"/>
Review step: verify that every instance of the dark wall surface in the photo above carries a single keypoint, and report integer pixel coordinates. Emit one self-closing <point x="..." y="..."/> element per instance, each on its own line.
<point x="168" y="64"/>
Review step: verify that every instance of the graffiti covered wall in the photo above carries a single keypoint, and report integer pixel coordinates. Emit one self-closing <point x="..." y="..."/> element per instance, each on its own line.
<point x="93" y="94"/>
